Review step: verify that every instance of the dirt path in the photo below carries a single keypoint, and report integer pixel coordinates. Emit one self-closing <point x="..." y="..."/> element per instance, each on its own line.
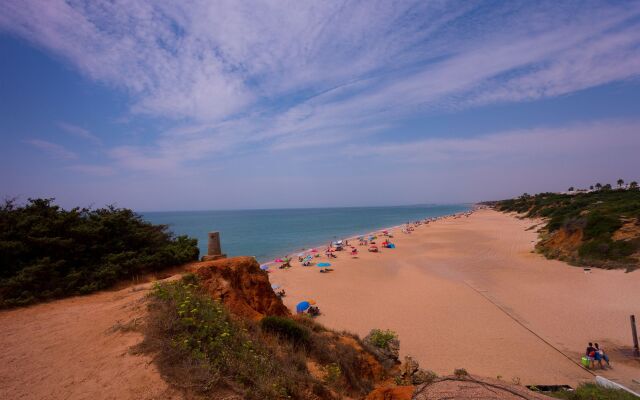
<point x="73" y="349"/>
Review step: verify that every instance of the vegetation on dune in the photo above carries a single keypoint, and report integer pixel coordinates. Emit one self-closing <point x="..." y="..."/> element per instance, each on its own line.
<point x="591" y="391"/>
<point x="596" y="216"/>
<point x="381" y="338"/>
<point x="204" y="349"/>
<point x="47" y="252"/>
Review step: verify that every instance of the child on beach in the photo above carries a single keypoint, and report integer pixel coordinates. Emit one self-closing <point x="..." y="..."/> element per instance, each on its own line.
<point x="591" y="354"/>
<point x="602" y="356"/>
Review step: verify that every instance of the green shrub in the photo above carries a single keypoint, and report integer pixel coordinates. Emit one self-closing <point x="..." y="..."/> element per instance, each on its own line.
<point x="382" y="338"/>
<point x="605" y="248"/>
<point x="599" y="225"/>
<point x="187" y="328"/>
<point x="286" y="328"/>
<point x="460" y="372"/>
<point x="47" y="252"/>
<point x="333" y="374"/>
<point x="598" y="214"/>
<point x="591" y="391"/>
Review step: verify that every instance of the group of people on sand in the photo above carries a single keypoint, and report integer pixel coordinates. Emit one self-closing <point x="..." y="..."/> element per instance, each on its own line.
<point x="593" y="354"/>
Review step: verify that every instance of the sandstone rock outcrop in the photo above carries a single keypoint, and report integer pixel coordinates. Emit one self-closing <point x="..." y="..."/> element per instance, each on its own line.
<point x="412" y="374"/>
<point x="241" y="285"/>
<point x="472" y="387"/>
<point x="391" y="393"/>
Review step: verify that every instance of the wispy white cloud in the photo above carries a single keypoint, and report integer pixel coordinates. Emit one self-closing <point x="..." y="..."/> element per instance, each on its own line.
<point x="93" y="170"/>
<point x="53" y="149"/>
<point x="614" y="138"/>
<point x="290" y="74"/>
<point x="79" y="132"/>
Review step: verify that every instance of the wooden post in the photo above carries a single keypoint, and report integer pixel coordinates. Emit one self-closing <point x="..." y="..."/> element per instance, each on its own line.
<point x="634" y="334"/>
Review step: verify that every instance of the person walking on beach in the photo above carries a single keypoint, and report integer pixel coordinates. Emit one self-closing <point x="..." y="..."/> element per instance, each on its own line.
<point x="602" y="356"/>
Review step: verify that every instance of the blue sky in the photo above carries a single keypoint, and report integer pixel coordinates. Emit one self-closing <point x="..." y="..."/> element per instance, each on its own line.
<point x="231" y="104"/>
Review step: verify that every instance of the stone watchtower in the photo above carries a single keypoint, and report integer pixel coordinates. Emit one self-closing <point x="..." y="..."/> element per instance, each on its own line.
<point x="214" y="251"/>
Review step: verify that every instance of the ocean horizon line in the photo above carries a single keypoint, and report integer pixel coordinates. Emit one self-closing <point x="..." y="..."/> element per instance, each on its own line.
<point x="467" y="203"/>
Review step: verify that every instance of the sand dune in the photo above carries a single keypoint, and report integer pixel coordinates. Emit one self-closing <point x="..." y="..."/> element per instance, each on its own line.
<point x="70" y="349"/>
<point x="468" y="292"/>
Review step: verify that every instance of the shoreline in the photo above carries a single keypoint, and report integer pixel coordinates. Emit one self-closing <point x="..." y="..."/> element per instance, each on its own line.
<point x="306" y="249"/>
<point x="470" y="293"/>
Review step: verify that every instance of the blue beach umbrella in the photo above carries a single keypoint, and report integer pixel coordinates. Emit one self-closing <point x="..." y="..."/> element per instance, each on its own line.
<point x="302" y="306"/>
<point x="264" y="267"/>
<point x="323" y="265"/>
<point x="275" y="286"/>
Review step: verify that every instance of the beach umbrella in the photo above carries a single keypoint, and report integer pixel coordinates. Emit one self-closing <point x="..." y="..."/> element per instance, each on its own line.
<point x="314" y="250"/>
<point x="302" y="306"/>
<point x="278" y="260"/>
<point x="264" y="267"/>
<point x="275" y="286"/>
<point x="300" y="254"/>
<point x="324" y="265"/>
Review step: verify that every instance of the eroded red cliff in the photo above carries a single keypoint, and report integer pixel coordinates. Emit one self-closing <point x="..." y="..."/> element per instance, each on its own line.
<point x="241" y="285"/>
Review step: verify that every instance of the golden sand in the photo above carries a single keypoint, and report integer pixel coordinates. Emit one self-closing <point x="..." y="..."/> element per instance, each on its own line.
<point x="469" y="292"/>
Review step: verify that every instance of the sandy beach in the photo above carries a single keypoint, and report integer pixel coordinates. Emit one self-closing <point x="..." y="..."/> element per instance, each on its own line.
<point x="469" y="292"/>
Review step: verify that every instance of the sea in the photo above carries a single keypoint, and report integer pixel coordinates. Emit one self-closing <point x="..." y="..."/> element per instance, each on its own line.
<point x="269" y="234"/>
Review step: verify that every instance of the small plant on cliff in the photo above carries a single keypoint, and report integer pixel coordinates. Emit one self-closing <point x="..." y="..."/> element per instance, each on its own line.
<point x="382" y="338"/>
<point x="460" y="373"/>
<point x="333" y="374"/>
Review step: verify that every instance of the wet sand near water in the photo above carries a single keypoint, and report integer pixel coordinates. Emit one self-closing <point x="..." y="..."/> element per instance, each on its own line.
<point x="469" y="293"/>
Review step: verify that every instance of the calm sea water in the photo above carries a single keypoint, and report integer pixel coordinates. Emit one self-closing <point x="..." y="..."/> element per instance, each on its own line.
<point x="267" y="234"/>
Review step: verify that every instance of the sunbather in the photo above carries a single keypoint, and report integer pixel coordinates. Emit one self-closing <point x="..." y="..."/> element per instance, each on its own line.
<point x="314" y="311"/>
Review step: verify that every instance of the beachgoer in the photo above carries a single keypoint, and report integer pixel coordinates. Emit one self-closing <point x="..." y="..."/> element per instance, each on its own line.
<point x="603" y="355"/>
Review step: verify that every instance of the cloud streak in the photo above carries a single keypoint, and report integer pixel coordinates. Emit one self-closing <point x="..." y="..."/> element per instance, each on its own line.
<point x="52" y="149"/>
<point x="79" y="132"/>
<point x="232" y="76"/>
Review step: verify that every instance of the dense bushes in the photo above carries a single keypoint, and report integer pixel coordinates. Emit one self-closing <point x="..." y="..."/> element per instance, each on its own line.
<point x="286" y="328"/>
<point x="199" y="345"/>
<point x="601" y="225"/>
<point x="191" y="331"/>
<point x="47" y="252"/>
<point x="597" y="214"/>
